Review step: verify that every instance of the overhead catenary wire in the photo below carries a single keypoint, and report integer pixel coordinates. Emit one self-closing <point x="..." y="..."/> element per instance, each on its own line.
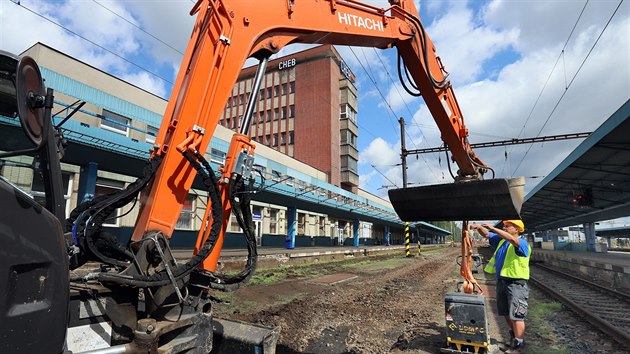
<point x="384" y="176"/>
<point x="561" y="55"/>
<point x="138" y="27"/>
<point x="384" y="100"/>
<point x="94" y="43"/>
<point x="404" y="103"/>
<point x="377" y="89"/>
<point x="402" y="97"/>
<point x="471" y="132"/>
<point x="571" y="82"/>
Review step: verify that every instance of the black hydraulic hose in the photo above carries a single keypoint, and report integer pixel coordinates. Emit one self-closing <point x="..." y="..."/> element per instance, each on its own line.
<point x="448" y="162"/>
<point x="77" y="214"/>
<point x="85" y="221"/>
<point x="161" y="278"/>
<point x="418" y="24"/>
<point x="402" y="81"/>
<point x="94" y="224"/>
<point x="242" y="212"/>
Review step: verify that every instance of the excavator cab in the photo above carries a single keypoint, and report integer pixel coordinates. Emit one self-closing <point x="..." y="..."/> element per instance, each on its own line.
<point x="34" y="262"/>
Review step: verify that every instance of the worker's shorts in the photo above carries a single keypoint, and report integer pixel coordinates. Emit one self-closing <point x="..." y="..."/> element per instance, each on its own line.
<point x="512" y="295"/>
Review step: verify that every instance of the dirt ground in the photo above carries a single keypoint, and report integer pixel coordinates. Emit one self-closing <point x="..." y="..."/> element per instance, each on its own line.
<point x="388" y="304"/>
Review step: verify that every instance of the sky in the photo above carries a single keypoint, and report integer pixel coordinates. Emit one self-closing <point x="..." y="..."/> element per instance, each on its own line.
<point x="519" y="69"/>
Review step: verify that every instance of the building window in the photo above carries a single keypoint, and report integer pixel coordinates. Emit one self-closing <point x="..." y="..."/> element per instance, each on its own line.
<point x="269" y="92"/>
<point x="217" y="156"/>
<point x="275" y="140"/>
<point x="261" y="94"/>
<point x="292" y="87"/>
<point x="348" y="164"/>
<point x="276" y="113"/>
<point x="283" y="138"/>
<point x="185" y="221"/>
<point x="107" y="186"/>
<point x="301" y="224"/>
<point x="268" y="115"/>
<point x="151" y="134"/>
<point x="284" y="89"/>
<point x="291" y="111"/>
<point x="115" y="122"/>
<point x="291" y="137"/>
<point x="234" y="226"/>
<point x="273" y="221"/>
<point x="347" y="112"/>
<point x="348" y="137"/>
<point x="322" y="226"/>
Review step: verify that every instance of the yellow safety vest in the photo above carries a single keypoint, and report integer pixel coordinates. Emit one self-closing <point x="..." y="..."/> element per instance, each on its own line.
<point x="514" y="266"/>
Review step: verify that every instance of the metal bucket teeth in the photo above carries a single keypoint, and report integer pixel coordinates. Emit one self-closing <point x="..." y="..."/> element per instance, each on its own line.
<point x="493" y="199"/>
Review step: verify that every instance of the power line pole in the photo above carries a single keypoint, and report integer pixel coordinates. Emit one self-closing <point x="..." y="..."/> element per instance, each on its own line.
<point x="403" y="153"/>
<point x="403" y="157"/>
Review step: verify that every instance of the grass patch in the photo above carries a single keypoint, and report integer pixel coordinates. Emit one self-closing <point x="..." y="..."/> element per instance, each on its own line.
<point x="275" y="275"/>
<point x="272" y="275"/>
<point x="538" y="325"/>
<point x="266" y="278"/>
<point x="378" y="265"/>
<point x="288" y="298"/>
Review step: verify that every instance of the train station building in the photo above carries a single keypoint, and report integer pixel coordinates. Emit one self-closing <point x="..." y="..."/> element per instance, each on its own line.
<point x="308" y="190"/>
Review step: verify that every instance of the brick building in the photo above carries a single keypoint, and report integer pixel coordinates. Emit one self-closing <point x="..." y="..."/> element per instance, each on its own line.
<point x="307" y="109"/>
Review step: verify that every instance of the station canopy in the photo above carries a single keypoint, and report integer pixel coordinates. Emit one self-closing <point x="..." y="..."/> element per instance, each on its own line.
<point x="592" y="184"/>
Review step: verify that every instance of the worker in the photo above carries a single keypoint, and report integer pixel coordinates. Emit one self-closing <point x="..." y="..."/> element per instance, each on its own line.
<point x="510" y="262"/>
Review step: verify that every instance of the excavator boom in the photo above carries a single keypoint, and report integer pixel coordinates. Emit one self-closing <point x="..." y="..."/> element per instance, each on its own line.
<point x="156" y="303"/>
<point x="226" y="33"/>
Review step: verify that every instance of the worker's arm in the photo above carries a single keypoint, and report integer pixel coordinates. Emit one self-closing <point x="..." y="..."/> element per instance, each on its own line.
<point x="514" y="240"/>
<point x="482" y="230"/>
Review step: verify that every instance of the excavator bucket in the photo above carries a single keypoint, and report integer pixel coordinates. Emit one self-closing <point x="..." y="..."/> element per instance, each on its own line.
<point x="473" y="200"/>
<point x="231" y="336"/>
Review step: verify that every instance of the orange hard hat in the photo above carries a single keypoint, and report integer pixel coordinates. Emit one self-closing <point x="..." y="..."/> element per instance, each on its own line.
<point x="518" y="223"/>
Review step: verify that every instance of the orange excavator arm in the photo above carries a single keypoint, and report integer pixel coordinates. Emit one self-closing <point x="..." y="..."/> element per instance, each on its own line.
<point x="226" y="33"/>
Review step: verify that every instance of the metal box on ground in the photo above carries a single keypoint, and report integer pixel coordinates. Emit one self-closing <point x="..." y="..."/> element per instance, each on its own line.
<point x="466" y="323"/>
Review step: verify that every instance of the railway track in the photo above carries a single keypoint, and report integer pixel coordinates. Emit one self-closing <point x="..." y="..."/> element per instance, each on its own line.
<point x="607" y="309"/>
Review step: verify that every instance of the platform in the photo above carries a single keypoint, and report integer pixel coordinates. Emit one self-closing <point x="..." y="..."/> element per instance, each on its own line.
<point x="610" y="268"/>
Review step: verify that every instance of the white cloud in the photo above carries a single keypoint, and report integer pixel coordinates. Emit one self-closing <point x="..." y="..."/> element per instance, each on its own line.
<point x="366" y="178"/>
<point x="398" y="99"/>
<point x="147" y="82"/>
<point x="380" y="154"/>
<point x="465" y="45"/>
<point x="497" y="107"/>
<point x="96" y="24"/>
<point x="169" y="21"/>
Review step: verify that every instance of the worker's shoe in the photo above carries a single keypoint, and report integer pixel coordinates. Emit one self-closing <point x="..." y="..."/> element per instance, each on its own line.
<point x="516" y="347"/>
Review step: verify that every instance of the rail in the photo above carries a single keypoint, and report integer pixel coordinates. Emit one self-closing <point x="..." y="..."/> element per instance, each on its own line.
<point x="605" y="308"/>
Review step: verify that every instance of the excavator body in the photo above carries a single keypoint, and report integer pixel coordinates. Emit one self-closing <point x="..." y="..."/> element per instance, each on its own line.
<point x="136" y="294"/>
